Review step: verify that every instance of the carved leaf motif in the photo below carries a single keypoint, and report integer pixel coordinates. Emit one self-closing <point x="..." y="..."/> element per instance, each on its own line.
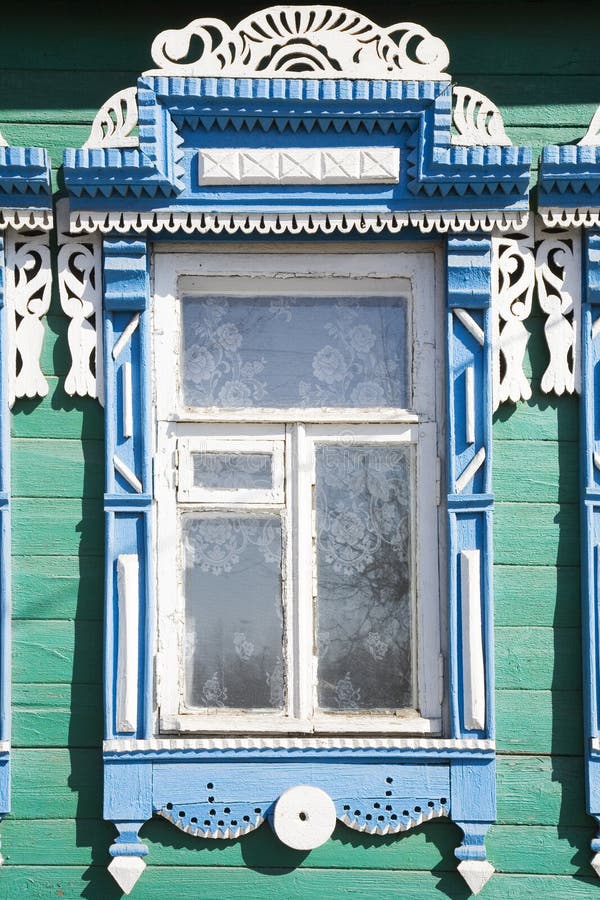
<point x="557" y="276"/>
<point x="115" y="122"/>
<point x="592" y="135"/>
<point x="286" y="41"/>
<point x="3" y="142"/>
<point x="80" y="296"/>
<point x="477" y="120"/>
<point x="29" y="286"/>
<point x="513" y="283"/>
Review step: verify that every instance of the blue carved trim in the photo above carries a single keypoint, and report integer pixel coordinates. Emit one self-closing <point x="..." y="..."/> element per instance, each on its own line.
<point x="178" y="116"/>
<point x="24" y="178"/>
<point x="470" y="502"/>
<point x="126" y="277"/>
<point x="569" y="176"/>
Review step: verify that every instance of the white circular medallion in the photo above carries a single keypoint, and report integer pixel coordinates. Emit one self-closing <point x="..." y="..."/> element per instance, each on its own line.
<point x="304" y="817"/>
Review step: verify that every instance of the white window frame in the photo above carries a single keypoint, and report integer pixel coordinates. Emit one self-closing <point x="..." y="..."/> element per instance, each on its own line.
<point x="326" y="270"/>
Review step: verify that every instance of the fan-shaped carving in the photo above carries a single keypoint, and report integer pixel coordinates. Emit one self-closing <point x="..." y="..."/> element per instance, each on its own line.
<point x="477" y="120"/>
<point x="115" y="121"/>
<point x="292" y="42"/>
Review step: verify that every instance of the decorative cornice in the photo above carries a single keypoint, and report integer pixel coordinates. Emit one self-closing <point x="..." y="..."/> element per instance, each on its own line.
<point x="292" y="42"/>
<point x="170" y="745"/>
<point x="295" y="223"/>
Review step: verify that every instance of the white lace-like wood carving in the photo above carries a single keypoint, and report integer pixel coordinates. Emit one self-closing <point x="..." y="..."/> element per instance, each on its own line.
<point x="28" y="287"/>
<point x="79" y="279"/>
<point x="296" y="41"/>
<point x="309" y="165"/>
<point x="513" y="282"/>
<point x="592" y="135"/>
<point x="476" y="119"/>
<point x="558" y="277"/>
<point x="115" y="122"/>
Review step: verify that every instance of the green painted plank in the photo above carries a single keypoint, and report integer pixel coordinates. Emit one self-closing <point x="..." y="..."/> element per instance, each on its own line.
<point x="511" y="849"/>
<point x="57" y="587"/>
<point x="57" y="715"/>
<point x="55" y="140"/>
<point x="55" y="358"/>
<point x="159" y="882"/>
<point x="541" y="419"/>
<point x="536" y="534"/>
<point x="552" y="596"/>
<point x="538" y="659"/>
<point x="58" y="415"/>
<point x="57" y="652"/>
<point x="535" y="471"/>
<point x="541" y="790"/>
<point x="39" y="99"/>
<point x="539" y="722"/>
<point x="57" y="468"/>
<point x="57" y="526"/>
<point x="56" y="784"/>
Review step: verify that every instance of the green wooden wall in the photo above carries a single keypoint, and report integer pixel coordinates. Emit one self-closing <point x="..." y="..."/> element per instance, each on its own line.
<point x="540" y="63"/>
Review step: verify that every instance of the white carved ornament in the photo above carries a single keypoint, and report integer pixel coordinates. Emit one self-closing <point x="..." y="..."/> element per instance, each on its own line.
<point x="301" y="41"/>
<point x="476" y="120"/>
<point x="309" y="165"/>
<point x="3" y="143"/>
<point x="115" y="122"/>
<point x="513" y="281"/>
<point x="79" y="280"/>
<point x="558" y="277"/>
<point x="592" y="135"/>
<point x="28" y="288"/>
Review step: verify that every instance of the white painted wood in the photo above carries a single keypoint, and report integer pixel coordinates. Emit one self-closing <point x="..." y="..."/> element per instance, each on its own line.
<point x="80" y="290"/>
<point x="187" y="491"/>
<point x="304" y="817"/>
<point x="299" y="165"/>
<point x="115" y="122"/>
<point x="127" y="641"/>
<point x="476" y="873"/>
<point x="125" y="336"/>
<point x="398" y="827"/>
<point x="476" y="119"/>
<point x="596" y="459"/>
<point x="470" y="404"/>
<point x="28" y="290"/>
<point x="595" y="328"/>
<point x="470" y="470"/>
<point x="558" y="279"/>
<point x="595" y="863"/>
<point x="472" y="641"/>
<point x="302" y="41"/>
<point x="513" y="283"/>
<point x="470" y="324"/>
<point x="319" y="270"/>
<point x="592" y="135"/>
<point x="3" y="142"/>
<point x="127" y="384"/>
<point x="326" y="223"/>
<point x="129" y="476"/>
<point x="127" y="870"/>
<point x="260" y="742"/>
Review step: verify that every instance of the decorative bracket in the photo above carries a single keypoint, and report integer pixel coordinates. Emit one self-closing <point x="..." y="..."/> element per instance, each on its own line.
<point x="80" y="289"/>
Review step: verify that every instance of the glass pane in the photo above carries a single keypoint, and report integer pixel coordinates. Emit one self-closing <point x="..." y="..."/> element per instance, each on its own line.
<point x="233" y="611"/>
<point x="363" y="545"/>
<point x="295" y="351"/>
<point x="226" y="471"/>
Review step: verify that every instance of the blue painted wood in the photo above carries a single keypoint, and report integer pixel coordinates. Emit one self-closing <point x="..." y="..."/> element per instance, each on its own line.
<point x="177" y="116"/>
<point x="24" y="178"/>
<point x="126" y="275"/>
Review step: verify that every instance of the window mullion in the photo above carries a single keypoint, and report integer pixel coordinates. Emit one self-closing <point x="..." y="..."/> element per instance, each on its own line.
<point x="303" y="640"/>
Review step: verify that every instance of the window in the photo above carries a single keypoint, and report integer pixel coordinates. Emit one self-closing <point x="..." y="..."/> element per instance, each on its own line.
<point x="298" y="545"/>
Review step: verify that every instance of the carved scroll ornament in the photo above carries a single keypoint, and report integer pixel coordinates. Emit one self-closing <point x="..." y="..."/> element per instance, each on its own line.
<point x="558" y="278"/>
<point x="289" y="42"/>
<point x="513" y="277"/>
<point x="79" y="280"/>
<point x="115" y="122"/>
<point x="476" y="119"/>
<point x="28" y="298"/>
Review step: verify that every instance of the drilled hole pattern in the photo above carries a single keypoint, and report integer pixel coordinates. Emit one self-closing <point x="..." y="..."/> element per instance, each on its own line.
<point x="391" y="814"/>
<point x="213" y="819"/>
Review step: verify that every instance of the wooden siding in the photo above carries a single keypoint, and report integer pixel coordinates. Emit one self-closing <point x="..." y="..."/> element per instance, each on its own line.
<point x="539" y="62"/>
